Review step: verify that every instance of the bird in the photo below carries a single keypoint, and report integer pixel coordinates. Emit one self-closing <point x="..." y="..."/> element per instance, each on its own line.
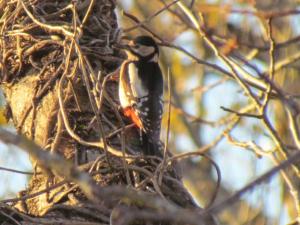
<point x="141" y="91"/>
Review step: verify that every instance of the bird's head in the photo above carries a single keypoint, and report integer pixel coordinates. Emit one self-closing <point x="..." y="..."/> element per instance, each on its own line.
<point x="142" y="48"/>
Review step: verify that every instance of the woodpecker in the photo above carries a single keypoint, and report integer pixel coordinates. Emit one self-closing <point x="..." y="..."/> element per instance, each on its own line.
<point x="141" y="91"/>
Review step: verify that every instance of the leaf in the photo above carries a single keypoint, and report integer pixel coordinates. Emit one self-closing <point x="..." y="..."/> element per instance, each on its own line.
<point x="3" y="120"/>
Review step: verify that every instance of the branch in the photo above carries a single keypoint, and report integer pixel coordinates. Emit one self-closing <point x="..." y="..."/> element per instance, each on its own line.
<point x="263" y="178"/>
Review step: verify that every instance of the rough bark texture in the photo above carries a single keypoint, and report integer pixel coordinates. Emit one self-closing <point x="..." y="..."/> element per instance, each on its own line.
<point x="54" y="58"/>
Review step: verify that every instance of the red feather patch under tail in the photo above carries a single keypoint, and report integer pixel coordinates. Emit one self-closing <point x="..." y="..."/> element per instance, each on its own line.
<point x="129" y="112"/>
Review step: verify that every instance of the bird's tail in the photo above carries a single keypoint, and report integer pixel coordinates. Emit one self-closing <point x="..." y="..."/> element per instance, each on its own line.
<point x="152" y="147"/>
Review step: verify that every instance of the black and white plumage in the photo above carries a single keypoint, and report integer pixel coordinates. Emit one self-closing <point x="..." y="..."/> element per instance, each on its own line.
<point x="141" y="90"/>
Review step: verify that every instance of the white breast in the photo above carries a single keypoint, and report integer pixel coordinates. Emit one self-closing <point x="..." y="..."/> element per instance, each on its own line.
<point x="124" y="101"/>
<point x="138" y="90"/>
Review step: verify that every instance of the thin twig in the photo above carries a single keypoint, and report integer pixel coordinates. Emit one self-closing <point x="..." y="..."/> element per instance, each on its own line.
<point x="162" y="166"/>
<point x="15" y="171"/>
<point x="150" y="17"/>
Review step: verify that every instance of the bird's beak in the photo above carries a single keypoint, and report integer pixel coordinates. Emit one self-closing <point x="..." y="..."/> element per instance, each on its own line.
<point x="124" y="43"/>
<point x="122" y="46"/>
<point x="125" y="37"/>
